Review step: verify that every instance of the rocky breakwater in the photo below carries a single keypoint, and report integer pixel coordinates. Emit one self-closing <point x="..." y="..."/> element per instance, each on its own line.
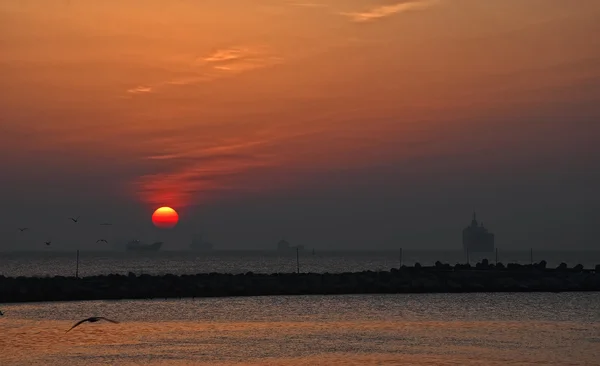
<point x="483" y="277"/>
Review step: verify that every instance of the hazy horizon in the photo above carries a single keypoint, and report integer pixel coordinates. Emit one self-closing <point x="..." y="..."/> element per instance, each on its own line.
<point x="343" y="125"/>
<point x="292" y="253"/>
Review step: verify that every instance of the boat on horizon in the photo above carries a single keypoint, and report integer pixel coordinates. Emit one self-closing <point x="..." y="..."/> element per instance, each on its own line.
<point x="200" y="244"/>
<point x="138" y="246"/>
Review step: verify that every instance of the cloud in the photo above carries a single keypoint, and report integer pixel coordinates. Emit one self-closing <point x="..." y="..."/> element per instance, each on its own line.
<point x="248" y="65"/>
<point x="140" y="89"/>
<point x="310" y="5"/>
<point x="185" y="171"/>
<point x="189" y="172"/>
<point x="384" y="11"/>
<point x="228" y="54"/>
<point x="238" y="59"/>
<point x="190" y="80"/>
<point x="216" y="65"/>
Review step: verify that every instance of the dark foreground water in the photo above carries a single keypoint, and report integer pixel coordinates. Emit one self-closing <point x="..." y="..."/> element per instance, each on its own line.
<point x="440" y="329"/>
<point x="52" y="263"/>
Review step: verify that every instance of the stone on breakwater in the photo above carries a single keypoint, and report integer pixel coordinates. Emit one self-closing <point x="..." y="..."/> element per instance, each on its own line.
<point x="483" y="277"/>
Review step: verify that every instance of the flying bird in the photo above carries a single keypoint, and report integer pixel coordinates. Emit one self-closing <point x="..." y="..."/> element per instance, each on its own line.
<point x="92" y="320"/>
<point x="101" y="240"/>
<point x="74" y="219"/>
<point x="48" y="242"/>
<point x="21" y="229"/>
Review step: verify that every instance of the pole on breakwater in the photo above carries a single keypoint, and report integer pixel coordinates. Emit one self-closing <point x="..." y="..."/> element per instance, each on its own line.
<point x="298" y="260"/>
<point x="77" y="265"/>
<point x="531" y="255"/>
<point x="400" y="258"/>
<point x="496" y="256"/>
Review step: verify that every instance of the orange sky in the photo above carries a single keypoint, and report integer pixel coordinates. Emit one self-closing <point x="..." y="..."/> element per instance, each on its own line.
<point x="183" y="101"/>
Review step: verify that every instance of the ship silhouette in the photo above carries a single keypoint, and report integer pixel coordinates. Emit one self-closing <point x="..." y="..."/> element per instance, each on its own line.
<point x="138" y="246"/>
<point x="200" y="244"/>
<point x="476" y="238"/>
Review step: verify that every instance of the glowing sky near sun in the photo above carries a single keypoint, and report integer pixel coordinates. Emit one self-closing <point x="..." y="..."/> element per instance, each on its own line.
<point x="185" y="102"/>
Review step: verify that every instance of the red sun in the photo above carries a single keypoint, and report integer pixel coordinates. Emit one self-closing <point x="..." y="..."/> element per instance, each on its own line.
<point x="165" y="218"/>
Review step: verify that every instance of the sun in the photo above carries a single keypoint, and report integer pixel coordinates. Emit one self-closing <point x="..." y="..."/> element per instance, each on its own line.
<point x="165" y="218"/>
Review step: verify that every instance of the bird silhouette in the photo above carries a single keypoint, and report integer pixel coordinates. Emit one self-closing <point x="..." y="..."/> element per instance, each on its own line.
<point x="93" y="319"/>
<point x="74" y="219"/>
<point x="102" y="240"/>
<point x="21" y="229"/>
<point x="48" y="242"/>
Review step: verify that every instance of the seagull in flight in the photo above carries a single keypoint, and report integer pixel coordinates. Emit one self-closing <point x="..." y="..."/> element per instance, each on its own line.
<point x="21" y="229"/>
<point x="74" y="219"/>
<point x="48" y="242"/>
<point x="102" y="240"/>
<point x="91" y="320"/>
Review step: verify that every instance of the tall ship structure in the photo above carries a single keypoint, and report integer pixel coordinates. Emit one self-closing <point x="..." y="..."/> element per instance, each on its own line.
<point x="477" y="238"/>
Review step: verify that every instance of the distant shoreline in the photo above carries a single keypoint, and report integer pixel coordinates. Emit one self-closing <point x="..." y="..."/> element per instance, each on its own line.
<point x="441" y="278"/>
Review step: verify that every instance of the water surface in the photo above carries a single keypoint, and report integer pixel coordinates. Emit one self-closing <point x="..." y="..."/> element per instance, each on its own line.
<point x="415" y="329"/>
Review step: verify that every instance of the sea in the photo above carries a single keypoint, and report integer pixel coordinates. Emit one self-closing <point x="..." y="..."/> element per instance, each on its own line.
<point x="61" y="263"/>
<point x="410" y="329"/>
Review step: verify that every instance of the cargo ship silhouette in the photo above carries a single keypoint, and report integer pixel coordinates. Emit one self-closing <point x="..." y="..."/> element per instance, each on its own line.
<point x="138" y="246"/>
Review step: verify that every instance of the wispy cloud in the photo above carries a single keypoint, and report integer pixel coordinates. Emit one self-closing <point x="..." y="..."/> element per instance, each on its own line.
<point x="238" y="59"/>
<point x="310" y="5"/>
<point x="384" y="11"/>
<point x="228" y="54"/>
<point x="219" y="63"/>
<point x="191" y="80"/>
<point x="140" y="89"/>
<point x="195" y="182"/>
<point x="189" y="173"/>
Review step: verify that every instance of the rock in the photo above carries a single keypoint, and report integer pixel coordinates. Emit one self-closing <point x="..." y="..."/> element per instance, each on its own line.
<point x="454" y="286"/>
<point x="405" y="280"/>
